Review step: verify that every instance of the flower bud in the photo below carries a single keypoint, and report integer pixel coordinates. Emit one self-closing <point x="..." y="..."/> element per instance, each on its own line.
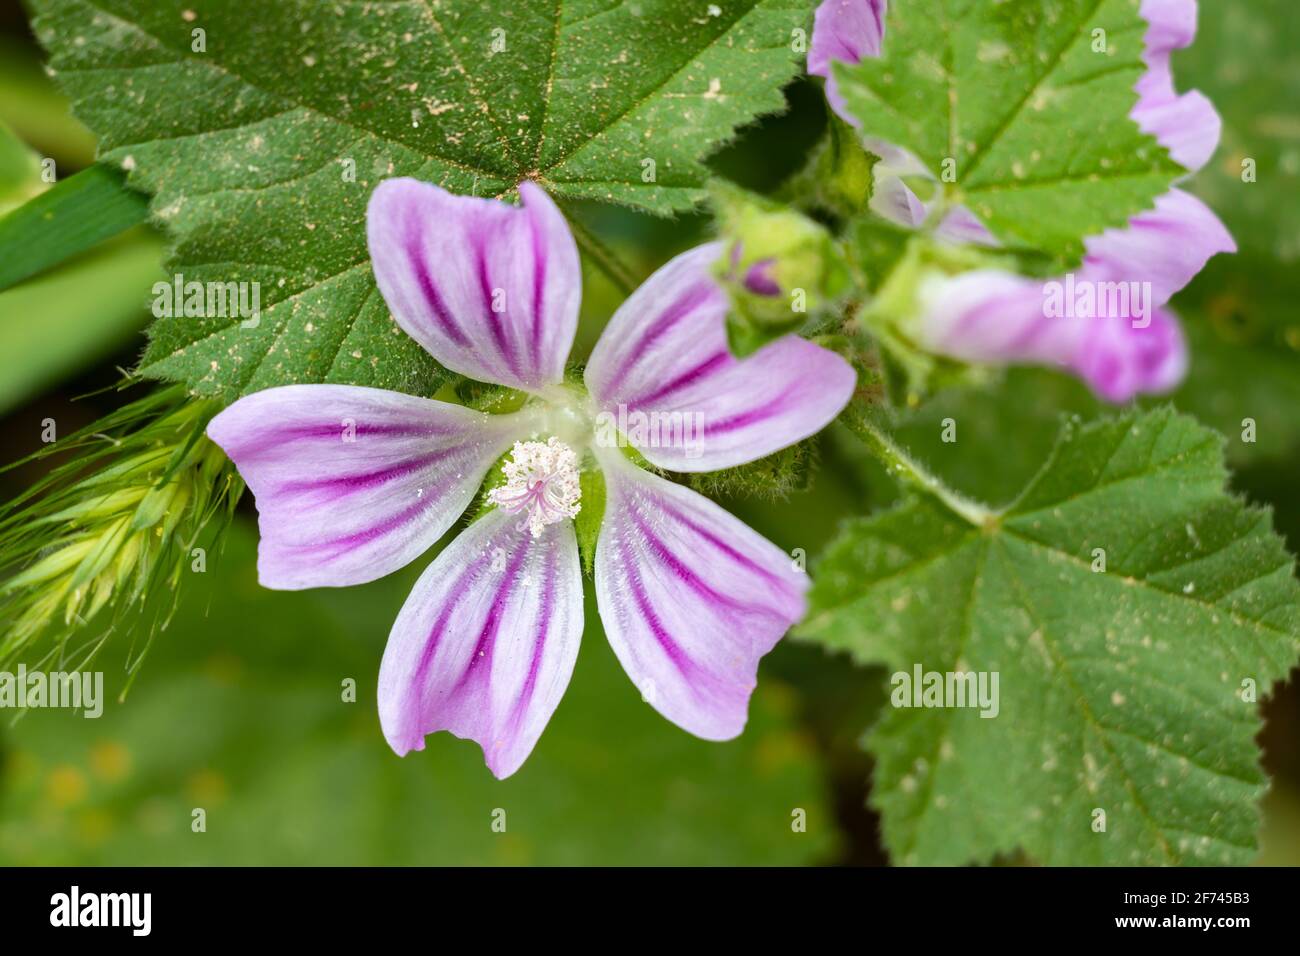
<point x="779" y="267"/>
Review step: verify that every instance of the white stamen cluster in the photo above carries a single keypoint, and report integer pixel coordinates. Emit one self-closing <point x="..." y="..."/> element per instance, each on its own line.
<point x="542" y="480"/>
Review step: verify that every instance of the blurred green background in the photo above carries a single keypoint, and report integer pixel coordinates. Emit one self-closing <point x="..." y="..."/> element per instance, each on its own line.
<point x="239" y="709"/>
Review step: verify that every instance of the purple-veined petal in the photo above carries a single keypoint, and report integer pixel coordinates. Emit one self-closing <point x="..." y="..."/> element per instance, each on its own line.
<point x="1107" y="323"/>
<point x="690" y="598"/>
<point x="353" y="483"/>
<point x="845" y="31"/>
<point x="894" y="200"/>
<point x="485" y="645"/>
<point x="663" y="375"/>
<point x="489" y="289"/>
<point x="894" y="159"/>
<point x="997" y="318"/>
<point x="1120" y="361"/>
<point x="1185" y="124"/>
<point x="1166" y="246"/>
<point x="962" y="225"/>
<point x="991" y="317"/>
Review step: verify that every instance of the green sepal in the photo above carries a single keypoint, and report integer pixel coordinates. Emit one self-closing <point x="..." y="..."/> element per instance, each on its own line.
<point x="839" y="177"/>
<point x="587" y="523"/>
<point x="773" y="477"/>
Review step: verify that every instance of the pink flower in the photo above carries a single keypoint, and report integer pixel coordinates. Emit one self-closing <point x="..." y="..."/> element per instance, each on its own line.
<point x="353" y="483"/>
<point x="997" y="317"/>
<point x="1107" y="323"/>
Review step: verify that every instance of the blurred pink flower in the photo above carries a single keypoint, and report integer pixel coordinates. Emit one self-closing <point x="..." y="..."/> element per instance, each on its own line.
<point x="999" y="318"/>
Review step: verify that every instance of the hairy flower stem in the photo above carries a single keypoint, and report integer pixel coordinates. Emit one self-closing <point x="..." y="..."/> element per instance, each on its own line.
<point x="905" y="468"/>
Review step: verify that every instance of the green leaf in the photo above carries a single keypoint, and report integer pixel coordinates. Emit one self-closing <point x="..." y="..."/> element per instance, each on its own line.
<point x="263" y="141"/>
<point x="78" y="213"/>
<point x="20" y="171"/>
<point x="1014" y="99"/>
<point x="1120" y="691"/>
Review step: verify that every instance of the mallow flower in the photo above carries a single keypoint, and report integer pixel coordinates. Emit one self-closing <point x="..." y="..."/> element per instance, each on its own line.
<point x="353" y="483"/>
<point x="1106" y="323"/>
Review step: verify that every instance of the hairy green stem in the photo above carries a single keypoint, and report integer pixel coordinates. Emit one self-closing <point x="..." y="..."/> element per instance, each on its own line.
<point x="905" y="468"/>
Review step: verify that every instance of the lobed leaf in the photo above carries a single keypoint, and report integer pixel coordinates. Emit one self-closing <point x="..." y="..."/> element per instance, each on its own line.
<point x="1124" y="690"/>
<point x="263" y="135"/>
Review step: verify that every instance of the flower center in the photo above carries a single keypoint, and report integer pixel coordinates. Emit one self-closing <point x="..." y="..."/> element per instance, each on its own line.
<point x="567" y="413"/>
<point x="541" y="482"/>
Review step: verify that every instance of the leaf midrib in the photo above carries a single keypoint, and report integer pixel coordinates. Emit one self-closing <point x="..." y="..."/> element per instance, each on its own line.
<point x="1071" y="38"/>
<point x="484" y="105"/>
<point x="963" y="641"/>
<point x="1083" y="707"/>
<point x="636" y="104"/>
<point x="1131" y="580"/>
<point x="185" y="58"/>
<point x="521" y="171"/>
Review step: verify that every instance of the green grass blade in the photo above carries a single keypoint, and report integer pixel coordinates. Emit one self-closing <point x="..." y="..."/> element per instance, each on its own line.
<point x="78" y="213"/>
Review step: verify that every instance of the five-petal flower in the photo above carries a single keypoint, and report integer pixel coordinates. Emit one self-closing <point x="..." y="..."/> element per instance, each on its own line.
<point x="352" y="483"/>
